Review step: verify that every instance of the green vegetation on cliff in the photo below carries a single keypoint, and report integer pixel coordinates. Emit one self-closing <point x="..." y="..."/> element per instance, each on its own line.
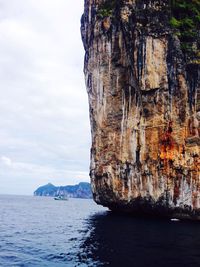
<point x="106" y="9"/>
<point x="185" y="20"/>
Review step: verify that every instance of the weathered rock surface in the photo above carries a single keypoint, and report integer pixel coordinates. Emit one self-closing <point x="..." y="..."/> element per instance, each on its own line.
<point x="144" y="110"/>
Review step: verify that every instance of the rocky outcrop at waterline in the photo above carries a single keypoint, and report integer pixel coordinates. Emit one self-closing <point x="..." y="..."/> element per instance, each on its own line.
<point x="144" y="98"/>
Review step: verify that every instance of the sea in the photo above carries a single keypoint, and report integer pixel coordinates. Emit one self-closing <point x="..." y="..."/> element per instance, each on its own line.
<point x="39" y="231"/>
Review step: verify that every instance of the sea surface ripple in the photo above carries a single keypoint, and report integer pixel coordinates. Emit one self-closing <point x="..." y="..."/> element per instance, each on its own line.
<point x="39" y="231"/>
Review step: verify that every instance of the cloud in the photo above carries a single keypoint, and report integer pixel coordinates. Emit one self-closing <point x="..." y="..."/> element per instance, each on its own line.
<point x="29" y="176"/>
<point x="45" y="133"/>
<point x="6" y="161"/>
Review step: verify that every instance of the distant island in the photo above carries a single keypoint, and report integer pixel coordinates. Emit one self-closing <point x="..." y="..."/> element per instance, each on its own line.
<point x="81" y="190"/>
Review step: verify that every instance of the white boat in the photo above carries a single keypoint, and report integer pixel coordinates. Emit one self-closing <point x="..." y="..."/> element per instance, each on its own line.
<point x="64" y="198"/>
<point x="175" y="220"/>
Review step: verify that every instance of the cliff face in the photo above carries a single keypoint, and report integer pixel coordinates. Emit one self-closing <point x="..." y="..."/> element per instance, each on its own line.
<point x="144" y="110"/>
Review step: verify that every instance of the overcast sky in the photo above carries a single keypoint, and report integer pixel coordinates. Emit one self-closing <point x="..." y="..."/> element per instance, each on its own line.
<point x="44" y="125"/>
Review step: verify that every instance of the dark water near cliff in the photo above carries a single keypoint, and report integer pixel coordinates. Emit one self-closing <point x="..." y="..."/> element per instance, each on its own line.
<point x="38" y="231"/>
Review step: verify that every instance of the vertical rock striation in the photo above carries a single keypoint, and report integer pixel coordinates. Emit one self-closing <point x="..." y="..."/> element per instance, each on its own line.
<point x="144" y="110"/>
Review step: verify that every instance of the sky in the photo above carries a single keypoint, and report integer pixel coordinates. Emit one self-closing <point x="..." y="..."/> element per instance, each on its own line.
<point x="44" y="120"/>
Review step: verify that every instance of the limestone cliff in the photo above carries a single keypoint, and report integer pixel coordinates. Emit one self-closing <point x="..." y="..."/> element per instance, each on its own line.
<point x="144" y="103"/>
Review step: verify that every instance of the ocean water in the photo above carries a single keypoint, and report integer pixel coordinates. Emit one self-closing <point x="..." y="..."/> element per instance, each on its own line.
<point x="37" y="231"/>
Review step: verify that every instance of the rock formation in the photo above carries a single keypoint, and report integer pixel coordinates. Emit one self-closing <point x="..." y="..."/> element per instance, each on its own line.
<point x="144" y="101"/>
